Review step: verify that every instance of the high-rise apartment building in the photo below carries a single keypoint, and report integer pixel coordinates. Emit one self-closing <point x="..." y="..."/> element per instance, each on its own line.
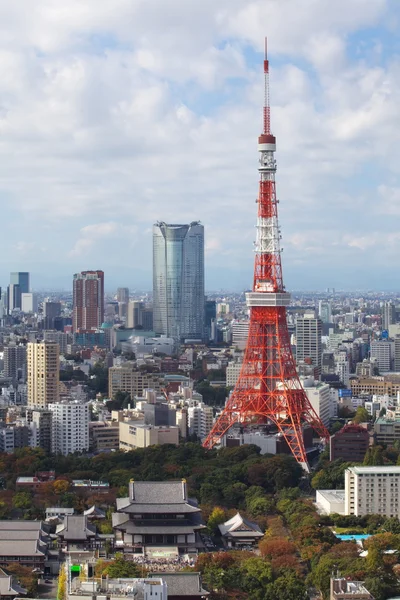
<point x="43" y="374"/>
<point x="240" y="333"/>
<point x="309" y="339"/>
<point x="69" y="427"/>
<point x="178" y="280"/>
<point x="88" y="300"/>
<point x="14" y="361"/>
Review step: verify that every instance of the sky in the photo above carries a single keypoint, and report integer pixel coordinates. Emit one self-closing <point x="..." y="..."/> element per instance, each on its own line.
<point x="117" y="113"/>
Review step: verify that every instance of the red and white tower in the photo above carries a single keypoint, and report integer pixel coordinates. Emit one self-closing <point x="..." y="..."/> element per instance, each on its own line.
<point x="268" y="388"/>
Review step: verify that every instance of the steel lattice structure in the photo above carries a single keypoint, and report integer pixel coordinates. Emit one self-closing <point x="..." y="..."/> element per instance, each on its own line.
<point x="268" y="388"/>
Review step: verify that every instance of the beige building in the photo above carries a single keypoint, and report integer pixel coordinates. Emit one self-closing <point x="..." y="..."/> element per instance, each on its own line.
<point x="43" y="374"/>
<point x="128" y="378"/>
<point x="372" y="490"/>
<point x="103" y="435"/>
<point x="387" y="384"/>
<point x="134" y="435"/>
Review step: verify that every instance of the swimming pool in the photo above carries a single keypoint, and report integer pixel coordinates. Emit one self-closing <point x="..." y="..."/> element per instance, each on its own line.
<point x="356" y="537"/>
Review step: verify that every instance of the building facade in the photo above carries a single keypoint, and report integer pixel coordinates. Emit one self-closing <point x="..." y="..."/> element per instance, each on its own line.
<point x="350" y="443"/>
<point x="43" y="374"/>
<point x="15" y="361"/>
<point x="70" y="427"/>
<point x="178" y="280"/>
<point x="128" y="378"/>
<point x="372" y="490"/>
<point x="309" y="339"/>
<point x="88" y="300"/>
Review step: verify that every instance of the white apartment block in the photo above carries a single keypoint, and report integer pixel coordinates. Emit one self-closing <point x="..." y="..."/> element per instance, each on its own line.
<point x="200" y="419"/>
<point x="319" y="396"/>
<point x="372" y="490"/>
<point x="70" y="427"/>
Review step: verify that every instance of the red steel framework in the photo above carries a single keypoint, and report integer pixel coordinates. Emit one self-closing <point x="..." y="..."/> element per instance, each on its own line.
<point x="268" y="388"/>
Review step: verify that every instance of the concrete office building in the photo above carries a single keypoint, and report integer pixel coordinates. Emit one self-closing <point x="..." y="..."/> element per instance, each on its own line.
<point x="350" y="443"/>
<point x="29" y="302"/>
<point x="383" y="351"/>
<point x="123" y="295"/>
<point x="88" y="300"/>
<point x="19" y="284"/>
<point x="70" y="427"/>
<point x="232" y="372"/>
<point x="319" y="396"/>
<point x="57" y="337"/>
<point x="128" y="378"/>
<point x="15" y="361"/>
<point x="43" y="374"/>
<point x="134" y="317"/>
<point x="40" y="421"/>
<point x="325" y="311"/>
<point x="240" y="333"/>
<point x="134" y="435"/>
<point x="309" y="339"/>
<point x="372" y="490"/>
<point x="389" y="315"/>
<point x="51" y="311"/>
<point x="178" y="280"/>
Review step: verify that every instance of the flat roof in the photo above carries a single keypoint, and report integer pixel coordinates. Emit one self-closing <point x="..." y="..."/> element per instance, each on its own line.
<point x="332" y="495"/>
<point x="374" y="470"/>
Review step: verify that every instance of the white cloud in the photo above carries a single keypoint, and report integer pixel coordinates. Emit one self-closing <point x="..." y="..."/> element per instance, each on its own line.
<point x="122" y="113"/>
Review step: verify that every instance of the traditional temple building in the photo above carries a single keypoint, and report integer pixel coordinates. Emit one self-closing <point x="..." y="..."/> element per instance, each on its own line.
<point x="239" y="532"/>
<point x="158" y="520"/>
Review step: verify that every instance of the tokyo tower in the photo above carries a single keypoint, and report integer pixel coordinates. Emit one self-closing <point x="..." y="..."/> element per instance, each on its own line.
<point x="268" y="389"/>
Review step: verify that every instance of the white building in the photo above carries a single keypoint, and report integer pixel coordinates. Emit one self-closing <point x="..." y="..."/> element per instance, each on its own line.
<point x="319" y="396"/>
<point x="383" y="352"/>
<point x="342" y="367"/>
<point x="372" y="490"/>
<point x="29" y="303"/>
<point x="309" y="339"/>
<point x="240" y="333"/>
<point x="200" y="419"/>
<point x="145" y="345"/>
<point x="70" y="427"/>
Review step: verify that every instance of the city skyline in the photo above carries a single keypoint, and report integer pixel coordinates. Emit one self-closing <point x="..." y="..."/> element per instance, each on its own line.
<point x="93" y="106"/>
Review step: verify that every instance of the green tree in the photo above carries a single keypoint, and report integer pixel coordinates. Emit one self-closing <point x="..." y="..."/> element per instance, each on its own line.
<point x="217" y="517"/>
<point x="258" y="507"/>
<point x="119" y="567"/>
<point x="362" y="415"/>
<point x="391" y="525"/>
<point x="22" y="500"/>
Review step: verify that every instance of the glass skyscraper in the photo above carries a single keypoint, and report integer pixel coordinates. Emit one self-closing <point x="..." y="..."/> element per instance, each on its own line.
<point x="178" y="280"/>
<point x="19" y="284"/>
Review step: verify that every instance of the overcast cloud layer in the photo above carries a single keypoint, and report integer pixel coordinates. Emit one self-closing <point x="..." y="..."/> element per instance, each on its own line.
<point x="118" y="113"/>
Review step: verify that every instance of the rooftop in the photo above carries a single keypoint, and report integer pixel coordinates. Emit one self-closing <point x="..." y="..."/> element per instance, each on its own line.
<point x="332" y="495"/>
<point x="182" y="584"/>
<point x="374" y="470"/>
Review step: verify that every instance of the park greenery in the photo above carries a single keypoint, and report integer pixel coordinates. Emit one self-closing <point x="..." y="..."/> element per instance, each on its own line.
<point x="299" y="550"/>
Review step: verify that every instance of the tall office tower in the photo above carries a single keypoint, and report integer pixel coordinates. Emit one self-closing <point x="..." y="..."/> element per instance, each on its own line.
<point x="384" y="352"/>
<point x="69" y="427"/>
<point x="15" y="361"/>
<point x="268" y="388"/>
<point x="309" y="339"/>
<point x="210" y="314"/>
<point x="88" y="300"/>
<point x="389" y="314"/>
<point x="51" y="311"/>
<point x="178" y="280"/>
<point x="43" y="374"/>
<point x="134" y="316"/>
<point x="147" y="319"/>
<point x="123" y="295"/>
<point x="325" y="311"/>
<point x="29" y="302"/>
<point x="19" y="284"/>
